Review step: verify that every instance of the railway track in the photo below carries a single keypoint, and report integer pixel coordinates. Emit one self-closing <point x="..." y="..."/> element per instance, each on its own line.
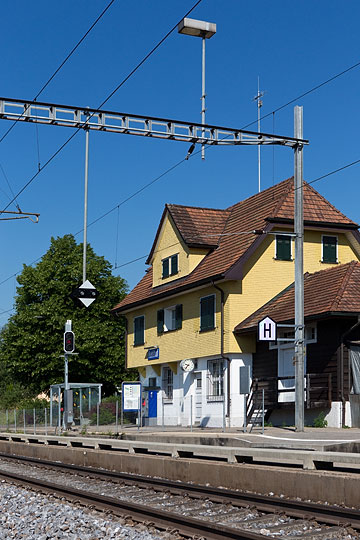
<point x="191" y="510"/>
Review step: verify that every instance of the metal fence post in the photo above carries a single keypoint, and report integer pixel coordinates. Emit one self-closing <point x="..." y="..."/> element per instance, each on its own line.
<point x="15" y="420"/>
<point x="263" y="410"/>
<point x="162" y="412"/>
<point x="97" y="414"/>
<point x="24" y="417"/>
<point x="46" y="421"/>
<point x="7" y="420"/>
<point x="191" y="413"/>
<point x="245" y="413"/>
<point x="34" y="421"/>
<point x="117" y="416"/>
<point x="223" y="414"/>
<point x="121" y="413"/>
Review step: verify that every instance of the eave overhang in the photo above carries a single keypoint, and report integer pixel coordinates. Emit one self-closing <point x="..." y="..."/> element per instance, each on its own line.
<point x="168" y="293"/>
<point x="308" y="318"/>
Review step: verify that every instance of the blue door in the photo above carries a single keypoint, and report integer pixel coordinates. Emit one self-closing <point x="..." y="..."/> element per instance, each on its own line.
<point x="152" y="403"/>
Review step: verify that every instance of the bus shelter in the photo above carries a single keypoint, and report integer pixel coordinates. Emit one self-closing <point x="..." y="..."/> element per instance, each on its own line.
<point x="83" y="400"/>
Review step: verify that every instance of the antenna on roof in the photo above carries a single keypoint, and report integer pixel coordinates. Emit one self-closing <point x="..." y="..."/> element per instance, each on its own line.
<point x="258" y="99"/>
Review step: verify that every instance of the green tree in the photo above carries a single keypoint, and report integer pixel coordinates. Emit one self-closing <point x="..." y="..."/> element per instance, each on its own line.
<point x="31" y="343"/>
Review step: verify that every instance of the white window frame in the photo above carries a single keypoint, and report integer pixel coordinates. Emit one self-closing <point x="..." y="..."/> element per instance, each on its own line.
<point x="283" y="344"/>
<point x="167" y="385"/>
<point x="213" y="381"/>
<point x="207" y="296"/>
<point x="169" y="312"/>
<point x="337" y="248"/>
<point x="291" y="247"/>
<point x="171" y="274"/>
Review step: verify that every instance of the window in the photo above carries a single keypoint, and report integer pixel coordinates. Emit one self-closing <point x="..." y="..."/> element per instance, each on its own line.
<point x="207" y="313"/>
<point x="152" y="382"/>
<point x="168" y="383"/>
<point x="329" y="249"/>
<point x="215" y="390"/>
<point x="139" y="330"/>
<point x="169" y="319"/>
<point x="283" y="247"/>
<point x="170" y="266"/>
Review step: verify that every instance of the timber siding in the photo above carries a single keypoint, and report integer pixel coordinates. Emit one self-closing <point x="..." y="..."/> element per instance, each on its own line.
<point x="323" y="358"/>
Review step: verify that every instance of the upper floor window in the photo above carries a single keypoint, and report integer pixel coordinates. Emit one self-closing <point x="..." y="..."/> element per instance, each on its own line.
<point x="329" y="249"/>
<point x="167" y="382"/>
<point x="207" y="313"/>
<point x="283" y="247"/>
<point x="169" y="319"/>
<point x="139" y="330"/>
<point x="170" y="266"/>
<point x="215" y="390"/>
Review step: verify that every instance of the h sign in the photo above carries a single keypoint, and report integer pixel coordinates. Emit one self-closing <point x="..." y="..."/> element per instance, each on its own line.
<point x="267" y="330"/>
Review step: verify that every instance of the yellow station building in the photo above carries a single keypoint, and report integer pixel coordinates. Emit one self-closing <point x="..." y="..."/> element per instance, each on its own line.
<point x="209" y="270"/>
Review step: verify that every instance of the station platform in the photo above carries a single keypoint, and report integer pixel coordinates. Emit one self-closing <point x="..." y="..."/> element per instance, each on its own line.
<point x="320" y="439"/>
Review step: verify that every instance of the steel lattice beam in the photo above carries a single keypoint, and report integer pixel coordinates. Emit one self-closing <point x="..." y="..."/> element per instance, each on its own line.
<point x="133" y="124"/>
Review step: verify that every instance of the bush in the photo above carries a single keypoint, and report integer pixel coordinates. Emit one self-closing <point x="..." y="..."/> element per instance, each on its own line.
<point x="320" y="421"/>
<point x="107" y="414"/>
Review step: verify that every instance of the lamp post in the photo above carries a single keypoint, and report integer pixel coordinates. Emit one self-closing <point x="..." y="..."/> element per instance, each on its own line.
<point x="205" y="30"/>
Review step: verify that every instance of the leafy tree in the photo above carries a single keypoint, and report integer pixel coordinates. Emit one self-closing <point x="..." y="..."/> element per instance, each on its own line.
<point x="31" y="344"/>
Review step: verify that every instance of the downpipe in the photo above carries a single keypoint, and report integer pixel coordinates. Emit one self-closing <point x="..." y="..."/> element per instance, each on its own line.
<point x="222" y="354"/>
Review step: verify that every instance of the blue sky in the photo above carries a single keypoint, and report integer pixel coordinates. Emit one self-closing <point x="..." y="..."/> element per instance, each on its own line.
<point x="291" y="47"/>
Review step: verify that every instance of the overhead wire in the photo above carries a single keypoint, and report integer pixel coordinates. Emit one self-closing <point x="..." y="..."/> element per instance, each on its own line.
<point x="101" y="105"/>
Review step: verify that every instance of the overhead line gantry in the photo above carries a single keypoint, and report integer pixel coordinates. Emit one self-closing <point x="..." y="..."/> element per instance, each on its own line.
<point x="133" y="124"/>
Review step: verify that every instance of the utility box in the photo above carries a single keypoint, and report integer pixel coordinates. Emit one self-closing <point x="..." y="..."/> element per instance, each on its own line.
<point x="245" y="380"/>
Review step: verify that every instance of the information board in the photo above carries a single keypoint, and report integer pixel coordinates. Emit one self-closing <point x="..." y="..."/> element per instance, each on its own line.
<point x="131" y="396"/>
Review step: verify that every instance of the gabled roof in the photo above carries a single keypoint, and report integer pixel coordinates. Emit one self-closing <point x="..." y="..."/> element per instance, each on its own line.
<point x="198" y="227"/>
<point x="235" y="240"/>
<point x="335" y="290"/>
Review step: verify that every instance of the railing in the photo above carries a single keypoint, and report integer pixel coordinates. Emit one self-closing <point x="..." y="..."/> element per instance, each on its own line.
<point x="318" y="389"/>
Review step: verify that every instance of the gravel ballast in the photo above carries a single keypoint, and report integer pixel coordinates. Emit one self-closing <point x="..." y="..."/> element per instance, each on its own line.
<point x="29" y="515"/>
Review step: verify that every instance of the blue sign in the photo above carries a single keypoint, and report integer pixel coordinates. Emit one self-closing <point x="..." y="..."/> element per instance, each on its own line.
<point x="153" y="354"/>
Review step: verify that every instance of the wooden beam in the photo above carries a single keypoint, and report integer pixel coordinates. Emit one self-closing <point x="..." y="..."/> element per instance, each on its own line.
<point x="173" y="367"/>
<point x="142" y="371"/>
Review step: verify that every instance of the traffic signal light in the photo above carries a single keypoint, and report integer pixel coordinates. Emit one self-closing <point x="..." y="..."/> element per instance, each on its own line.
<point x="69" y="342"/>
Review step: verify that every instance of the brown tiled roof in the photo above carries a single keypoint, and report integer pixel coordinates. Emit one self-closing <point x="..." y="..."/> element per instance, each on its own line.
<point x="237" y="224"/>
<point x="199" y="226"/>
<point x="335" y="290"/>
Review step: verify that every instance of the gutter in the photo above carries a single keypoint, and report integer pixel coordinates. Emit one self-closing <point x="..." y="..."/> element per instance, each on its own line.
<point x="226" y="358"/>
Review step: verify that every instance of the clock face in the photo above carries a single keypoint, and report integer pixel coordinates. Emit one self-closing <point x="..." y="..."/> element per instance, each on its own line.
<point x="187" y="365"/>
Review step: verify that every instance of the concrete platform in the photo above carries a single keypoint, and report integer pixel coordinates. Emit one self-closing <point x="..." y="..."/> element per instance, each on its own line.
<point x="319" y="439"/>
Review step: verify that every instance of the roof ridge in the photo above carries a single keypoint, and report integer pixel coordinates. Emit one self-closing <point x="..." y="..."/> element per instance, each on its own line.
<point x="345" y="281"/>
<point x="274" y="188"/>
<point x="326" y="200"/>
<point x="196" y="207"/>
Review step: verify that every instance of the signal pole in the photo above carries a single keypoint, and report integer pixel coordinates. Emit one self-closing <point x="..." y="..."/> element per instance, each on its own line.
<point x="299" y="270"/>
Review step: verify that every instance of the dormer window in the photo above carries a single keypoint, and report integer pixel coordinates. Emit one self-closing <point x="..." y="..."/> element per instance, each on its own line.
<point x="170" y="266"/>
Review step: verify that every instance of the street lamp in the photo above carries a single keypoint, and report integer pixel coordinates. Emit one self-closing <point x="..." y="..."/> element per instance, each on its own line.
<point x="205" y="30"/>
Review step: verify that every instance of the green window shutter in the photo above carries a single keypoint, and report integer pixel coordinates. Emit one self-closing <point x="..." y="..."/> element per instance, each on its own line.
<point x="207" y="311"/>
<point x="139" y="327"/>
<point x="178" y="316"/>
<point x="283" y="247"/>
<point x="165" y="268"/>
<point x="329" y="249"/>
<point x="160" y="321"/>
<point x="174" y="265"/>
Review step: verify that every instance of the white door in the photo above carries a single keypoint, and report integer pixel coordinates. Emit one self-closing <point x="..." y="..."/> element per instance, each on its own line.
<point x="286" y="368"/>
<point x="198" y="397"/>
